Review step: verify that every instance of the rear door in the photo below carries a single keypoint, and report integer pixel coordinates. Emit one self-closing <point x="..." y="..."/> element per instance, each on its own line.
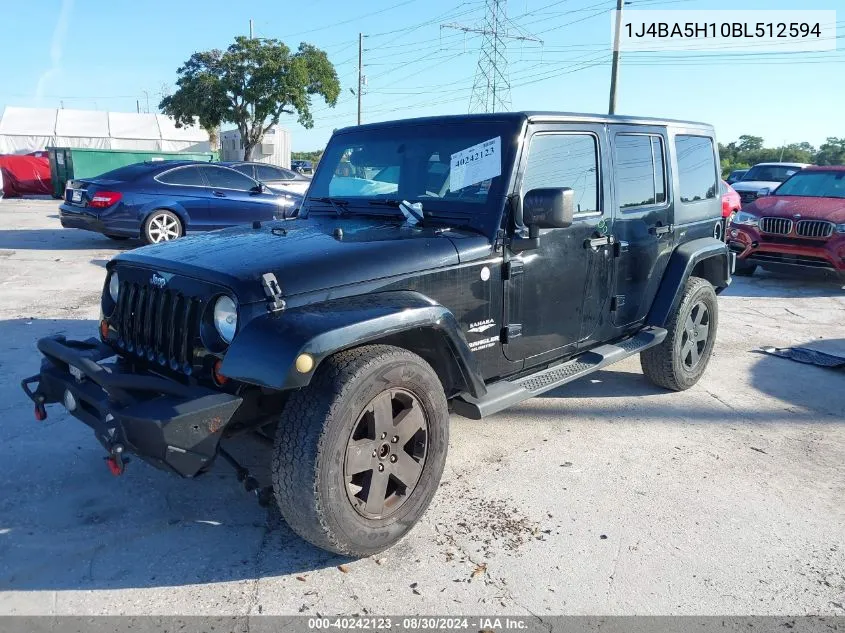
<point x="235" y="199"/>
<point x="644" y="219"/>
<point x="184" y="186"/>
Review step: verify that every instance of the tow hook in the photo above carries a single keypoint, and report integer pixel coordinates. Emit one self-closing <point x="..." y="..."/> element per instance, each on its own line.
<point x="115" y="461"/>
<point x="40" y="411"/>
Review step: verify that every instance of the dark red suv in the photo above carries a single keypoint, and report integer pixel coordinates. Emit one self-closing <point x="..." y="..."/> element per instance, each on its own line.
<point x="801" y="224"/>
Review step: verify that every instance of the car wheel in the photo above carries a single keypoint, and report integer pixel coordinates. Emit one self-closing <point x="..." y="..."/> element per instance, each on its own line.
<point x="743" y="268"/>
<point x="680" y="360"/>
<point x="162" y="226"/>
<point x="359" y="453"/>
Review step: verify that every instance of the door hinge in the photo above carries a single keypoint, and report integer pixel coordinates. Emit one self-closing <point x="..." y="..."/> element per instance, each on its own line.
<point x="513" y="268"/>
<point x="510" y="332"/>
<point x="617" y="302"/>
<point x="499" y="242"/>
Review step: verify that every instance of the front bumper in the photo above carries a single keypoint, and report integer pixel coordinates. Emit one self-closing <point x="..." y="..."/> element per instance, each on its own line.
<point x="172" y="426"/>
<point x="752" y="246"/>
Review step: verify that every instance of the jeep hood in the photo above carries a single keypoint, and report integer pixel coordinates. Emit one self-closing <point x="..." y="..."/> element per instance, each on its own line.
<point x="809" y="208"/>
<point x="308" y="255"/>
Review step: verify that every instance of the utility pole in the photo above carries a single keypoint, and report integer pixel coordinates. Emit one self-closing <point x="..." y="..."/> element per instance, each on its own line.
<point x="360" y="72"/>
<point x="138" y="106"/>
<point x="250" y="28"/>
<point x="63" y="104"/>
<point x="147" y="95"/>
<point x="614" y="69"/>
<point x="491" y="88"/>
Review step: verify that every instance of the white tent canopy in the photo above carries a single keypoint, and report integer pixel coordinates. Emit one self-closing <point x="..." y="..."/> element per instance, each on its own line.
<point x="24" y="130"/>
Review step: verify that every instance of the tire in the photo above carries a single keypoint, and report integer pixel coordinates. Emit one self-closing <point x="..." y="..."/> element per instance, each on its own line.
<point x="328" y="452"/>
<point x="162" y="226"/>
<point x="116" y="238"/>
<point x="680" y="360"/>
<point x="744" y="269"/>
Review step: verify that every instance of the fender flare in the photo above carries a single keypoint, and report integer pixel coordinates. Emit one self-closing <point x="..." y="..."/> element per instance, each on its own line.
<point x="705" y="257"/>
<point x="265" y="351"/>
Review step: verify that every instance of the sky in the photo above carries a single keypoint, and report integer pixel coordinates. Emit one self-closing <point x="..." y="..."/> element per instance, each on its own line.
<point x="120" y="56"/>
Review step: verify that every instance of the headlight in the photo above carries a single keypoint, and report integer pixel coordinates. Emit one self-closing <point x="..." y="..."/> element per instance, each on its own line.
<point x="746" y="219"/>
<point x="840" y="228"/>
<point x="114" y="286"/>
<point x="226" y="318"/>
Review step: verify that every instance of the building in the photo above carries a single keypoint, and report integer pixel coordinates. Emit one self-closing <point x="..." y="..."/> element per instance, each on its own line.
<point x="24" y="130"/>
<point x="274" y="148"/>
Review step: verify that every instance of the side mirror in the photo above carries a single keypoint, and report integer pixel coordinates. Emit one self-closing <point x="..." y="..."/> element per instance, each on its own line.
<point x="763" y="192"/>
<point x="548" y="208"/>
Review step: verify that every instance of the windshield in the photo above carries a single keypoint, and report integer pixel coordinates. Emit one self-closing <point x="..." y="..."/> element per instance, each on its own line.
<point x="814" y="184"/>
<point x="451" y="169"/>
<point x="770" y="173"/>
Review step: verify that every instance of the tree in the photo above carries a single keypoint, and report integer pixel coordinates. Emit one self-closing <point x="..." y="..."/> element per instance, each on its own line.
<point x="748" y="143"/>
<point x="251" y="84"/>
<point x="832" y="152"/>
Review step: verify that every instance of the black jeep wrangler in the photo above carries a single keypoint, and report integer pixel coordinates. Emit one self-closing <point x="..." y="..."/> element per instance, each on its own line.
<point x="453" y="264"/>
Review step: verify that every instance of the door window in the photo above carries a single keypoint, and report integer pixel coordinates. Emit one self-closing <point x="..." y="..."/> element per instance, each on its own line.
<point x="696" y="167"/>
<point x="640" y="170"/>
<point x="223" y="178"/>
<point x="565" y="160"/>
<point x="246" y="169"/>
<point x="268" y="172"/>
<point x="185" y="176"/>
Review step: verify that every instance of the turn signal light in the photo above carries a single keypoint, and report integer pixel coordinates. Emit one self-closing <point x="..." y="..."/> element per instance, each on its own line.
<point x="219" y="378"/>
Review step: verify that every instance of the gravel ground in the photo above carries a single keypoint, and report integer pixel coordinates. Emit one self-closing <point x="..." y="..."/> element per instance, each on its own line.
<point x="609" y="496"/>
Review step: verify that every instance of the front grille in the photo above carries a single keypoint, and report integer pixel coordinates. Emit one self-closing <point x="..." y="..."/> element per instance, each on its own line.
<point x="814" y="228"/>
<point x="776" y="226"/>
<point x="157" y="325"/>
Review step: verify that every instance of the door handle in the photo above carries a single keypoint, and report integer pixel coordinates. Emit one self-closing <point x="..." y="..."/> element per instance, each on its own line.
<point x="219" y="194"/>
<point x="661" y="230"/>
<point x="598" y="242"/>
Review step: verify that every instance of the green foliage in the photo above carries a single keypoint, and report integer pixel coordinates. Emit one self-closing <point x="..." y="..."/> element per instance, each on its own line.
<point x="749" y="150"/>
<point x="252" y="84"/>
<point x="314" y="156"/>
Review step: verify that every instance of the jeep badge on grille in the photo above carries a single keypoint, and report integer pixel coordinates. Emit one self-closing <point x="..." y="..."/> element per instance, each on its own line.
<point x="158" y="280"/>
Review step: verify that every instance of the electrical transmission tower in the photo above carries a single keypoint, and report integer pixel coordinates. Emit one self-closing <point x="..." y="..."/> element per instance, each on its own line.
<point x="491" y="90"/>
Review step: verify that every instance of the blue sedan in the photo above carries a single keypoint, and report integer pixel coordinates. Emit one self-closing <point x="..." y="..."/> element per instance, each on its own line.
<point x="163" y="200"/>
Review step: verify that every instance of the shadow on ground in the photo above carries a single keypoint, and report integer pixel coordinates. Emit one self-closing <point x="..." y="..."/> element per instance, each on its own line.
<point x="786" y="284"/>
<point x="67" y="523"/>
<point x="60" y="239"/>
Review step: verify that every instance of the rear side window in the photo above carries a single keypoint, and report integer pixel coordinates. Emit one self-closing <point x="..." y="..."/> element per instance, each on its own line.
<point x="565" y="160"/>
<point x="268" y="172"/>
<point x="246" y="170"/>
<point x="185" y="176"/>
<point x="640" y="170"/>
<point x="696" y="168"/>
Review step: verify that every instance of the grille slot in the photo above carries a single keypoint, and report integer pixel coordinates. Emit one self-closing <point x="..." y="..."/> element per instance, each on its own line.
<point x="776" y="226"/>
<point x="814" y="228"/>
<point x="156" y="324"/>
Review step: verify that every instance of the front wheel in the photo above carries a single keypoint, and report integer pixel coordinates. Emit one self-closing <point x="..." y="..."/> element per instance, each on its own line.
<point x="359" y="453"/>
<point x="680" y="360"/>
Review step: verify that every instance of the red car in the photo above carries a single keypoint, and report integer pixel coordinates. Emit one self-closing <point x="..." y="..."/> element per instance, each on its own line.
<point x="731" y="203"/>
<point x="800" y="225"/>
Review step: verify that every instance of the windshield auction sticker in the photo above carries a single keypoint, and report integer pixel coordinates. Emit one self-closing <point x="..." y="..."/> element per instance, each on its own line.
<point x="476" y="164"/>
<point x="750" y="31"/>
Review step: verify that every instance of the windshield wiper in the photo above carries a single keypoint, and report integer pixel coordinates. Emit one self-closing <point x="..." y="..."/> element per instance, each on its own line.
<point x="413" y="212"/>
<point x="337" y="204"/>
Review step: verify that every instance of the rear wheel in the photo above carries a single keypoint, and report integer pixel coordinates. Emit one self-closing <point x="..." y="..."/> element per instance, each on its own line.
<point x="359" y="453"/>
<point x="680" y="360"/>
<point x="162" y="226"/>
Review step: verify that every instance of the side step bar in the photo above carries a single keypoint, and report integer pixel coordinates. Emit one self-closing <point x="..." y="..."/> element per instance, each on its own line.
<point x="506" y="393"/>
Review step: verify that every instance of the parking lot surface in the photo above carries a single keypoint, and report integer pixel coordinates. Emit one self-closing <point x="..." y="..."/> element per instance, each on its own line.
<point x="608" y="496"/>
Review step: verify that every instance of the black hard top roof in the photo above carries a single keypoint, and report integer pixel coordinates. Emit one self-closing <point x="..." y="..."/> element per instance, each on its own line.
<point x="538" y="116"/>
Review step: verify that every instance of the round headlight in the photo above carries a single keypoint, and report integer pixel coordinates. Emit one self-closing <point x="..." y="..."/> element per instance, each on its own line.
<point x="114" y="286"/>
<point x="226" y="318"/>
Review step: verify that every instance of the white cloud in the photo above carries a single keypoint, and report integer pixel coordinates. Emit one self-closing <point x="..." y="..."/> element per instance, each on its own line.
<point x="56" y="46"/>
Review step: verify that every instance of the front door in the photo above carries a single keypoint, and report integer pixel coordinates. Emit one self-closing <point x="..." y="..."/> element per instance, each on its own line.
<point x="643" y="223"/>
<point x="557" y="293"/>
